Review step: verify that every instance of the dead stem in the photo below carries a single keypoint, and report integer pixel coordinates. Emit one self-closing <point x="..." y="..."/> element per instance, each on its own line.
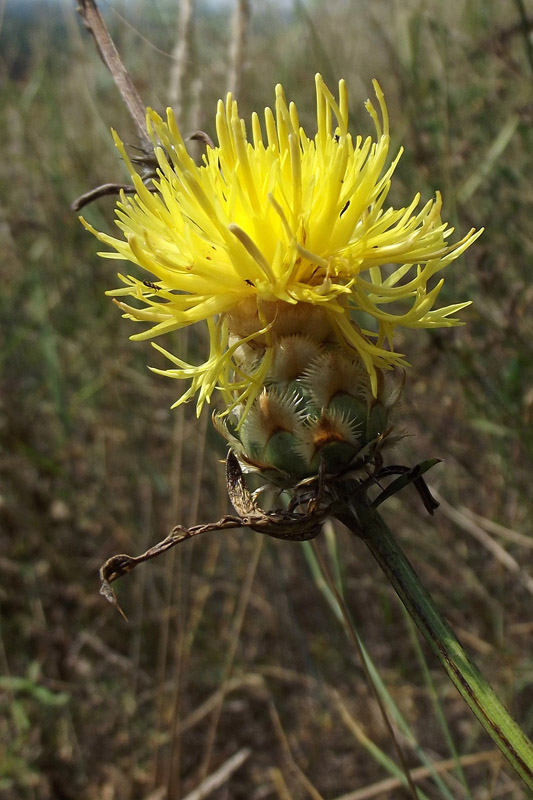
<point x="237" y="48"/>
<point x="93" y="21"/>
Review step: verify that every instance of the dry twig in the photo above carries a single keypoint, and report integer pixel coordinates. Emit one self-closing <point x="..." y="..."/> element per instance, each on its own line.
<point x="220" y="776"/>
<point x="93" y="21"/>
<point x="239" y="35"/>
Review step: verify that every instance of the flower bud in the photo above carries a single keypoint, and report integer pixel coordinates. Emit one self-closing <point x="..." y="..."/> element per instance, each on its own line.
<point x="316" y="410"/>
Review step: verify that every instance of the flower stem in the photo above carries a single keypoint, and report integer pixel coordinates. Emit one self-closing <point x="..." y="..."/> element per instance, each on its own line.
<point x="365" y="522"/>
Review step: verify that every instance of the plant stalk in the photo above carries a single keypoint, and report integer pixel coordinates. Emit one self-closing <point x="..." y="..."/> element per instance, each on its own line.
<point x="367" y="524"/>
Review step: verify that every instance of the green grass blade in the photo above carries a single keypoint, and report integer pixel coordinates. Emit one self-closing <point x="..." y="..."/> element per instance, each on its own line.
<point x="475" y="690"/>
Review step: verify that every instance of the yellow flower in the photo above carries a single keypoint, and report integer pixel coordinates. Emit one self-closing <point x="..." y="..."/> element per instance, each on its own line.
<point x="280" y="227"/>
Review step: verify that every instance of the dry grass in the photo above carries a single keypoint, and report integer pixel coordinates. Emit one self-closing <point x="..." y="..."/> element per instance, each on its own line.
<point x="231" y="644"/>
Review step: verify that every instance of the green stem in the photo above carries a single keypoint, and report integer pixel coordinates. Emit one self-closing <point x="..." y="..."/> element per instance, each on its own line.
<point x="365" y="522"/>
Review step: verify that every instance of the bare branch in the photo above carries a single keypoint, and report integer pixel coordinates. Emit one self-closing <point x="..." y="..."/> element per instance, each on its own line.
<point x="202" y="136"/>
<point x="180" y="58"/>
<point x="101" y="191"/>
<point x="239" y="35"/>
<point x="106" y="47"/>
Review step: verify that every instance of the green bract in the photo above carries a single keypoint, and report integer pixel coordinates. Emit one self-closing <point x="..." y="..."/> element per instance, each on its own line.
<point x="315" y="411"/>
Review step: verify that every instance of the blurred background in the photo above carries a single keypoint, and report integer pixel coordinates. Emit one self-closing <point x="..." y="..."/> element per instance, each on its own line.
<point x="233" y="661"/>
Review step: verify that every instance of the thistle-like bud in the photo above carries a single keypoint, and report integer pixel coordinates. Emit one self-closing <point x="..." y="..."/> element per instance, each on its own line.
<point x="316" y="410"/>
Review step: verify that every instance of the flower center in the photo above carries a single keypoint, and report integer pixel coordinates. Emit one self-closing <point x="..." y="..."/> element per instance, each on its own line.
<point x="283" y="319"/>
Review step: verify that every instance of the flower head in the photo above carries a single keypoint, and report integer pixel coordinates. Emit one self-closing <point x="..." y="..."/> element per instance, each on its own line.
<point x="276" y="235"/>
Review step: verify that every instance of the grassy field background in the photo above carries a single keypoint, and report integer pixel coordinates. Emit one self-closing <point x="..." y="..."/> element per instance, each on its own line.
<point x="232" y="647"/>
